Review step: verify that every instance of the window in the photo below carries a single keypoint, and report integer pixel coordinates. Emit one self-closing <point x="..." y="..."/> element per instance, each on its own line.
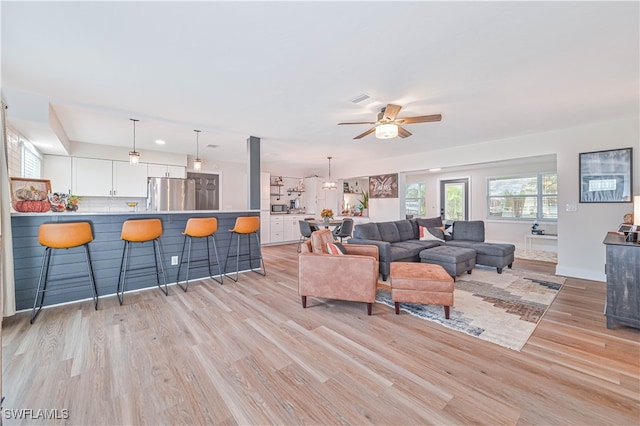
<point x="523" y="197"/>
<point x="23" y="158"/>
<point x="31" y="161"/>
<point x="415" y="199"/>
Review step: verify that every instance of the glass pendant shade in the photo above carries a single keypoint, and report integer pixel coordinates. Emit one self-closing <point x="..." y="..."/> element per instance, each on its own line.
<point x="329" y="184"/>
<point x="134" y="156"/>
<point x="386" y="131"/>
<point x="197" y="163"/>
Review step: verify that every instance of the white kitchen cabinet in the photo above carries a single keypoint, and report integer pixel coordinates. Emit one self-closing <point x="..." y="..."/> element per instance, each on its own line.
<point x="314" y="196"/>
<point x="163" y="170"/>
<point x="92" y="177"/>
<point x="265" y="227"/>
<point x="276" y="232"/>
<point x="57" y="169"/>
<point x="128" y="180"/>
<point x="265" y="191"/>
<point x="105" y="178"/>
<point x="292" y="227"/>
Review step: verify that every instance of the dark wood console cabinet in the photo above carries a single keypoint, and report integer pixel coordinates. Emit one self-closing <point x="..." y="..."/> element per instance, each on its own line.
<point x="623" y="281"/>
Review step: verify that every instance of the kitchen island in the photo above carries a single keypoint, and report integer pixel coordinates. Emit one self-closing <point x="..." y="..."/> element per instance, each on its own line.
<point x="106" y="252"/>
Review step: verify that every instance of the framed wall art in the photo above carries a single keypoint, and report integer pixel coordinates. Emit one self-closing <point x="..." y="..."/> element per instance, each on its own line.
<point x="383" y="186"/>
<point x="606" y="176"/>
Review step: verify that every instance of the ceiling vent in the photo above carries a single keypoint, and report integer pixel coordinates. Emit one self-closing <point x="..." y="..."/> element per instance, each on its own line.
<point x="360" y="98"/>
<point x="212" y="146"/>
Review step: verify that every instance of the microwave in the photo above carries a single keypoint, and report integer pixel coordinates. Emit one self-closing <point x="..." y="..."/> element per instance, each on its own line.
<point x="278" y="208"/>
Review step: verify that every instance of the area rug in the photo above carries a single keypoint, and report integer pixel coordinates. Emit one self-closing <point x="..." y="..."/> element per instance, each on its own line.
<point x="500" y="308"/>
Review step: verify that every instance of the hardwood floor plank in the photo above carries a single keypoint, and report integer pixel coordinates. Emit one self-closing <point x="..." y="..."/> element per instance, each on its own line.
<point x="248" y="353"/>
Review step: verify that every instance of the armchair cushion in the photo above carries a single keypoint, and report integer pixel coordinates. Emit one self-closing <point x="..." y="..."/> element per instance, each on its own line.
<point x="320" y="239"/>
<point x="336" y="249"/>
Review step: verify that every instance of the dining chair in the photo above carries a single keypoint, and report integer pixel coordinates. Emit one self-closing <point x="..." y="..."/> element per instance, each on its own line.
<point x="305" y="232"/>
<point x="345" y="230"/>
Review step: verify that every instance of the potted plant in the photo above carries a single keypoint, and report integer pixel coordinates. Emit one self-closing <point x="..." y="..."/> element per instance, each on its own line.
<point x="364" y="203"/>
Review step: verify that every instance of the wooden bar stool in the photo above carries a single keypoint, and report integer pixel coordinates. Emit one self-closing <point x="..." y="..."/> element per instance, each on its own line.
<point x="206" y="228"/>
<point x="245" y="225"/>
<point x="62" y="236"/>
<point x="141" y="231"/>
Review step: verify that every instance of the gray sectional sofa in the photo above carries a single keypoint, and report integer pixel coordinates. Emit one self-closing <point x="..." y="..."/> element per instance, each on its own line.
<point x="399" y="241"/>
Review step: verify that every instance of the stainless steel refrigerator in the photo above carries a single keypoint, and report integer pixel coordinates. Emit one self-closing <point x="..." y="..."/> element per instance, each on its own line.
<point x="171" y="194"/>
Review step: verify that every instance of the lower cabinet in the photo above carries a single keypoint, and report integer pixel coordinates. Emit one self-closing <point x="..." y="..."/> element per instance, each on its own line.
<point x="284" y="228"/>
<point x="276" y="233"/>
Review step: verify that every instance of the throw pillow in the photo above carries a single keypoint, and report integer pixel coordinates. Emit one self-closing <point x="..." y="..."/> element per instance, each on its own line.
<point x="429" y="234"/>
<point x="448" y="233"/>
<point x="336" y="248"/>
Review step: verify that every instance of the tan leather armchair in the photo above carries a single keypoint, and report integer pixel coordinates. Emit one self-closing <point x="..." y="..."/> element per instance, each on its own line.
<point x="352" y="276"/>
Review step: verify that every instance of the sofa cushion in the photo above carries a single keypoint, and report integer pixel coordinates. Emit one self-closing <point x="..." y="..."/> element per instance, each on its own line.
<point x="489" y="249"/>
<point x="434" y="222"/>
<point x="431" y="234"/>
<point x="472" y="230"/>
<point x="389" y="232"/>
<point x="367" y="231"/>
<point x="410" y="248"/>
<point x="405" y="230"/>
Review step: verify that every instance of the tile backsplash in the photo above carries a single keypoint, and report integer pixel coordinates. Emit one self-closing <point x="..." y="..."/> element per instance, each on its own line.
<point x="111" y="204"/>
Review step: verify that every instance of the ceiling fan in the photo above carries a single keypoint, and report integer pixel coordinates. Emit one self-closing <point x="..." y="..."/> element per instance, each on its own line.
<point x="389" y="126"/>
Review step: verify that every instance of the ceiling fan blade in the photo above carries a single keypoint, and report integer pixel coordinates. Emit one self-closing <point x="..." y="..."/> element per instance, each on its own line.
<point x="391" y="111"/>
<point x="403" y="133"/>
<point x="420" y="119"/>
<point x="361" y="135"/>
<point x="359" y="122"/>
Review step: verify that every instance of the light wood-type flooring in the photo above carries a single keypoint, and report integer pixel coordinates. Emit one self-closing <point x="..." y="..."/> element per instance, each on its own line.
<point x="248" y="353"/>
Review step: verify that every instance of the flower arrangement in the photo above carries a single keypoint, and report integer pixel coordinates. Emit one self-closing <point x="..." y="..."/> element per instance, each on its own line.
<point x="326" y="213"/>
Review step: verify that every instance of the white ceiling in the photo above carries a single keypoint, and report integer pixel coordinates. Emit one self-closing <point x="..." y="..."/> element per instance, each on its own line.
<point x="286" y="71"/>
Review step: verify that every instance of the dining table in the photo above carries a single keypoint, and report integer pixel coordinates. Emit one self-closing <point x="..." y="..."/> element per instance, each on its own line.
<point x="320" y="223"/>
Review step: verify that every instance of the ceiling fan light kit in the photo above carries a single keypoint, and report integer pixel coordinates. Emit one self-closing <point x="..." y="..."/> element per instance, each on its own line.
<point x="388" y="125"/>
<point x="134" y="156"/>
<point x="386" y="131"/>
<point x="329" y="184"/>
<point x="197" y="163"/>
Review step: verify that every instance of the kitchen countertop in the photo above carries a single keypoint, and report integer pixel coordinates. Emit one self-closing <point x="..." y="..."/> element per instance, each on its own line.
<point x="89" y="213"/>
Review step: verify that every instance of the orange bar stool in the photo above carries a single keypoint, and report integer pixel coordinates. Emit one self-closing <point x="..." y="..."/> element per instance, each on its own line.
<point x="141" y="231"/>
<point x="245" y="225"/>
<point x="206" y="228"/>
<point x="62" y="236"/>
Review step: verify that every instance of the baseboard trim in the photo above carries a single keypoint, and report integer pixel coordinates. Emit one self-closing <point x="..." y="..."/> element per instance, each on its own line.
<point x="584" y="274"/>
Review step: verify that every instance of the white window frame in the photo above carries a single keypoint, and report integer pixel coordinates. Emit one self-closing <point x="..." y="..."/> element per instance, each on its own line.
<point x="540" y="196"/>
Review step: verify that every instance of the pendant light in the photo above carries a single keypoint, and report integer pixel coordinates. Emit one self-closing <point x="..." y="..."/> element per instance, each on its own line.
<point x="134" y="156"/>
<point x="329" y="184"/>
<point x="197" y="163"/>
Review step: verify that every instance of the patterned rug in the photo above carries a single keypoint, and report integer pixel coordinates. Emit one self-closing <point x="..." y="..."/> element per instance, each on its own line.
<point x="500" y="308"/>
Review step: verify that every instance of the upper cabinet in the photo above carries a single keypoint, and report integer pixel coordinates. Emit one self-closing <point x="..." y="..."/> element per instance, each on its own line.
<point x="162" y="170"/>
<point x="106" y="178"/>
<point x="57" y="169"/>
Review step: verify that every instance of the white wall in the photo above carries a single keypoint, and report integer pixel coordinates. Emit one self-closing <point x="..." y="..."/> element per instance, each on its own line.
<point x="580" y="249"/>
<point x="107" y="152"/>
<point x="233" y="181"/>
<point x="507" y="231"/>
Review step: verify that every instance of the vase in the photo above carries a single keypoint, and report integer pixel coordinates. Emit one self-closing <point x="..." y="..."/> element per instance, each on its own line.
<point x="327" y="220"/>
<point x="72" y="207"/>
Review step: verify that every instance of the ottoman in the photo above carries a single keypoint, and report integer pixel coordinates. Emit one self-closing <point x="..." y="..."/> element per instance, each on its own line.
<point x="422" y="283"/>
<point x="455" y="260"/>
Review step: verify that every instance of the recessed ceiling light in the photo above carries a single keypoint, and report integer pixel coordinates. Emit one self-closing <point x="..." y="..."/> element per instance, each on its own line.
<point x="437" y="169"/>
<point x="160" y="142"/>
<point x="212" y="146"/>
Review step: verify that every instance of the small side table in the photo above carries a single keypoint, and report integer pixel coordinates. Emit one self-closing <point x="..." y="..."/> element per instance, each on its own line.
<point x="528" y="237"/>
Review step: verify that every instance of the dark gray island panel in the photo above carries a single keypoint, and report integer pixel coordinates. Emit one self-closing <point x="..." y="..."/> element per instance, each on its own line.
<point x="106" y="253"/>
<point x="623" y="281"/>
